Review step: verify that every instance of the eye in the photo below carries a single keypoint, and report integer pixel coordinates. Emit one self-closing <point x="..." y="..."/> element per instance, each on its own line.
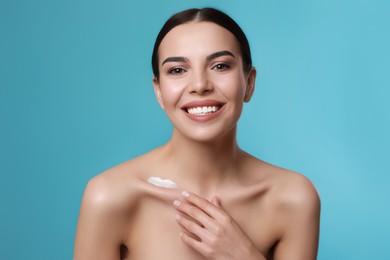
<point x="176" y="71"/>
<point x="221" y="67"/>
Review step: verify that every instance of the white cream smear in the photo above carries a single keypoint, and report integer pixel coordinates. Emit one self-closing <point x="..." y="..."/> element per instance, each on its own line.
<point x="166" y="183"/>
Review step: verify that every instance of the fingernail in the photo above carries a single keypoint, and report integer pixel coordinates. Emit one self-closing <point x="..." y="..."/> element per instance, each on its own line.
<point x="185" y="194"/>
<point x="177" y="217"/>
<point x="176" y="203"/>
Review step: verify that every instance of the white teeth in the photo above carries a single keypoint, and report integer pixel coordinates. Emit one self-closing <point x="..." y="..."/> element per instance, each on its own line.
<point x="202" y="110"/>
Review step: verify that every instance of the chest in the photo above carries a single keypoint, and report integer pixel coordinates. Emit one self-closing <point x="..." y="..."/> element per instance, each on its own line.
<point x="155" y="235"/>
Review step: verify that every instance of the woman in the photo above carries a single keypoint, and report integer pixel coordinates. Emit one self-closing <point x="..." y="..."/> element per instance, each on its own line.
<point x="218" y="201"/>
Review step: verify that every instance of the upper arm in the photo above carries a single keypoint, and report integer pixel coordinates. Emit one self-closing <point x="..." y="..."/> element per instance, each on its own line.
<point x="301" y="219"/>
<point x="99" y="231"/>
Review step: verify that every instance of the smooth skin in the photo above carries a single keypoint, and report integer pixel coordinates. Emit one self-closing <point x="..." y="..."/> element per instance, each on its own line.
<point x="229" y="204"/>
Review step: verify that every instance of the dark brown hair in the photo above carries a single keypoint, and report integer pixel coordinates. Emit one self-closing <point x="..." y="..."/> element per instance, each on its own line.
<point x="204" y="15"/>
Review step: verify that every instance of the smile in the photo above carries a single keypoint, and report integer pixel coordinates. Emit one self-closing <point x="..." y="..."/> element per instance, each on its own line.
<point x="203" y="110"/>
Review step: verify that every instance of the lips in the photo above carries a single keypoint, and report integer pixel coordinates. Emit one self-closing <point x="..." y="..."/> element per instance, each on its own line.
<point x="203" y="110"/>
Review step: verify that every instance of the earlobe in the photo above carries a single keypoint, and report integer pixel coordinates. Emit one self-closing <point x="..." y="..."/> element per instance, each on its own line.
<point x="250" y="87"/>
<point x="157" y="91"/>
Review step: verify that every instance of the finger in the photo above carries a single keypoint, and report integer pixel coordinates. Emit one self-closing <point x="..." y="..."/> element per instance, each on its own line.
<point x="193" y="229"/>
<point x="202" y="248"/>
<point x="196" y="214"/>
<point x="184" y="230"/>
<point x="205" y="205"/>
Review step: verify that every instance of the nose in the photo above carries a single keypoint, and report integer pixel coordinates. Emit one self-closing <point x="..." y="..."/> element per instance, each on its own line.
<point x="200" y="84"/>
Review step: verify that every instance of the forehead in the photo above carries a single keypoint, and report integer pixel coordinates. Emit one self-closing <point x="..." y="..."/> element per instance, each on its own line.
<point x="197" y="38"/>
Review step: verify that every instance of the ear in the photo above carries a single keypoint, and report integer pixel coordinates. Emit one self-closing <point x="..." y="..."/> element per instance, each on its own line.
<point x="157" y="91"/>
<point x="250" y="84"/>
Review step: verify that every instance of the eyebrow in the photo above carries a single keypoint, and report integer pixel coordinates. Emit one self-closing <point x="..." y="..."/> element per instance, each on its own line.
<point x="219" y="54"/>
<point x="210" y="57"/>
<point x="174" y="59"/>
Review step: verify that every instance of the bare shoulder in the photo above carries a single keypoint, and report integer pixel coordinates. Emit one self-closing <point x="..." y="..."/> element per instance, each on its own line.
<point x="286" y="188"/>
<point x="295" y="210"/>
<point x="289" y="193"/>
<point x="114" y="188"/>
<point x="295" y="189"/>
<point x="115" y="192"/>
<point x="108" y="203"/>
<point x="295" y="192"/>
<point x="294" y="206"/>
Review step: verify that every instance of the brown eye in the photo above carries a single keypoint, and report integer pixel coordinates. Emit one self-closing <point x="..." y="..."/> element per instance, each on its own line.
<point x="176" y="71"/>
<point x="221" y="67"/>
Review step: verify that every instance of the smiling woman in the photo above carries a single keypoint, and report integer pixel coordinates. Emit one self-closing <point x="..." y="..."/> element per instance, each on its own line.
<point x="221" y="203"/>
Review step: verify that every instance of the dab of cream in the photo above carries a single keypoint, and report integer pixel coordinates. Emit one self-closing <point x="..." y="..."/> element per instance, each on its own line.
<point x="166" y="183"/>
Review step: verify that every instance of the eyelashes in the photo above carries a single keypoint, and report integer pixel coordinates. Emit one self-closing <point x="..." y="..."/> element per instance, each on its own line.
<point x="221" y="67"/>
<point x="176" y="71"/>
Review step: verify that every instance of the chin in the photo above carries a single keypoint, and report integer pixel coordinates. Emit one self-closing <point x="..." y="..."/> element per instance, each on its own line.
<point x="207" y="135"/>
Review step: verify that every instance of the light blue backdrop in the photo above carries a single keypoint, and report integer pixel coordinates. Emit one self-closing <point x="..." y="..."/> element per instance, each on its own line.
<point x="76" y="98"/>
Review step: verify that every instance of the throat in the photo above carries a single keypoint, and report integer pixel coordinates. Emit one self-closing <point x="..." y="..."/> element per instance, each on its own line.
<point x="195" y="165"/>
<point x="202" y="168"/>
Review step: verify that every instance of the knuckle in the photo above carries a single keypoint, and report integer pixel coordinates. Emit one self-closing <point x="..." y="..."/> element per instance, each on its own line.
<point x="203" y="203"/>
<point x="225" y="220"/>
<point x="191" y="226"/>
<point x="185" y="222"/>
<point x="192" y="211"/>
<point x="218" y="231"/>
<point x="213" y="241"/>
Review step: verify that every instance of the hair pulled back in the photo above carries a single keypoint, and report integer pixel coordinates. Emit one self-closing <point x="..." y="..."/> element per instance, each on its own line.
<point x="204" y="15"/>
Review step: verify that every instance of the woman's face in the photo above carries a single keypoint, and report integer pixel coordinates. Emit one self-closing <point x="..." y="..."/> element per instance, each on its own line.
<point x="202" y="85"/>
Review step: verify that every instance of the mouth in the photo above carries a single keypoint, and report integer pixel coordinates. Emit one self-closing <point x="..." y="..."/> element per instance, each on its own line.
<point x="202" y="110"/>
<point x="204" y="107"/>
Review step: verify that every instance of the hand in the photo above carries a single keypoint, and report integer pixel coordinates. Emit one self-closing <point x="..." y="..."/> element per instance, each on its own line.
<point x="210" y="230"/>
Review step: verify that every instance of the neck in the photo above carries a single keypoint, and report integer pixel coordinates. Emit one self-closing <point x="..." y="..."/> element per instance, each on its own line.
<point x="202" y="167"/>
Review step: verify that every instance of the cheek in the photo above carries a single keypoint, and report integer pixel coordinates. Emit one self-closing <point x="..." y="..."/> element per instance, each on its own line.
<point x="232" y="87"/>
<point x="171" y="92"/>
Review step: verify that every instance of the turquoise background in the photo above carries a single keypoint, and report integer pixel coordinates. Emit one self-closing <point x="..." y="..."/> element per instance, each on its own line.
<point x="76" y="98"/>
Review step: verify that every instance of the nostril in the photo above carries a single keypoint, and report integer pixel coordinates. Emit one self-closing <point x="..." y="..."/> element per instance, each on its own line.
<point x="201" y="88"/>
